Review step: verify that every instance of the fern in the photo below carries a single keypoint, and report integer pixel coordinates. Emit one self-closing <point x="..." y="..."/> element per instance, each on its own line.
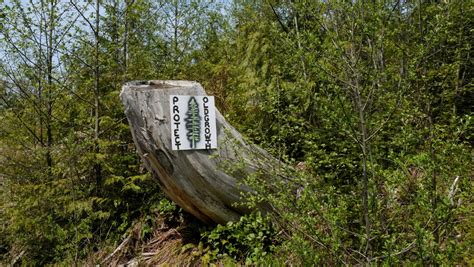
<point x="193" y="122"/>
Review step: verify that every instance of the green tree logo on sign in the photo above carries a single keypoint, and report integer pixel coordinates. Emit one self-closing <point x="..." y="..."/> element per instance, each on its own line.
<point x="193" y="122"/>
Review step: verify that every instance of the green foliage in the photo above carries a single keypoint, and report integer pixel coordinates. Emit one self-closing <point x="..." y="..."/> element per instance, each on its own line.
<point x="251" y="239"/>
<point x="350" y="90"/>
<point x="371" y="101"/>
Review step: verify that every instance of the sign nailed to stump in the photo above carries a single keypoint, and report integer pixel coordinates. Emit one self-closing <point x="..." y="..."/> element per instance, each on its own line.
<point x="193" y="122"/>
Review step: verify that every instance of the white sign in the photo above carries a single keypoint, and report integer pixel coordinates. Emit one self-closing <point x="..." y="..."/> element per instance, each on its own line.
<point x="193" y="122"/>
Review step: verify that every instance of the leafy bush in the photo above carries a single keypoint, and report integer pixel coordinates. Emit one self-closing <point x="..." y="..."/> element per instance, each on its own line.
<point x="250" y="239"/>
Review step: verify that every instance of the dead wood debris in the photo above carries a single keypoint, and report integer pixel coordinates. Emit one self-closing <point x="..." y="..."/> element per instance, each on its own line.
<point x="164" y="247"/>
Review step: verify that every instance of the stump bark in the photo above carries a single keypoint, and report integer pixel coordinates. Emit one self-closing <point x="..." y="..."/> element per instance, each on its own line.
<point x="206" y="183"/>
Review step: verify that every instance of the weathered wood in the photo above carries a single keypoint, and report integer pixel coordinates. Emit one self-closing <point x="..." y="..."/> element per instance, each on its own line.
<point x="195" y="179"/>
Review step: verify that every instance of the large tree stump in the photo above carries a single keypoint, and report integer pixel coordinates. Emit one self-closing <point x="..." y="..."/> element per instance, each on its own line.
<point x="196" y="180"/>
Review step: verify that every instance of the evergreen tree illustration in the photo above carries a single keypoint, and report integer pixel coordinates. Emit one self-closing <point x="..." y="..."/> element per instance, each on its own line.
<point x="193" y="122"/>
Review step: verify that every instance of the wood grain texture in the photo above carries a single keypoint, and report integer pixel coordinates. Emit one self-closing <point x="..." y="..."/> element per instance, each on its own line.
<point x="196" y="180"/>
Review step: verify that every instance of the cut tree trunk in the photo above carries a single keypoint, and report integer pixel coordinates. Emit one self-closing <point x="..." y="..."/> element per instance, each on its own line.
<point x="206" y="183"/>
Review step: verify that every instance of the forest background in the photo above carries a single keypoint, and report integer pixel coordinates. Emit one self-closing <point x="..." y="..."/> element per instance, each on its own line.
<point x="372" y="100"/>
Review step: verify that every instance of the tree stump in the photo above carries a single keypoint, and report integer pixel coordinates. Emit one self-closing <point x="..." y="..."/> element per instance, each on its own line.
<point x="202" y="182"/>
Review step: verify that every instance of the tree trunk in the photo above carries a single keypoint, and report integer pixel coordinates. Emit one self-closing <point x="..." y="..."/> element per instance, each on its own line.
<point x="206" y="183"/>
<point x="97" y="165"/>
